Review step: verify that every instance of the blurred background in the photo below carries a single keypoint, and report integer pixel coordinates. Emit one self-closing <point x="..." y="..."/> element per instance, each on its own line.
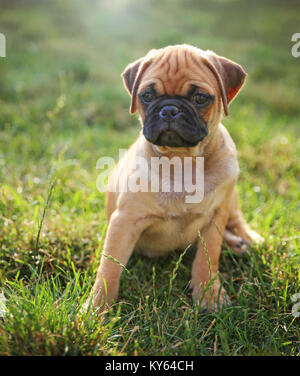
<point x="61" y="76"/>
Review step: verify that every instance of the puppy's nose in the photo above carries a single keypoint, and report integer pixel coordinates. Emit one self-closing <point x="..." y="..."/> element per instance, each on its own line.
<point x="169" y="112"/>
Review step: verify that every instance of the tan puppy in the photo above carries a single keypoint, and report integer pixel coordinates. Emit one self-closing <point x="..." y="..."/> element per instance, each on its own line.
<point x="179" y="92"/>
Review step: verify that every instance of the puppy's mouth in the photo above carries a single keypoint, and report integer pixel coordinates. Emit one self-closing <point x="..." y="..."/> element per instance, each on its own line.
<point x="173" y="123"/>
<point x="169" y="138"/>
<point x="173" y="139"/>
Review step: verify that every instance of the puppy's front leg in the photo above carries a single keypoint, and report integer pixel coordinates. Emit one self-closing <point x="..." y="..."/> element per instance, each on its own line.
<point x="122" y="234"/>
<point x="205" y="282"/>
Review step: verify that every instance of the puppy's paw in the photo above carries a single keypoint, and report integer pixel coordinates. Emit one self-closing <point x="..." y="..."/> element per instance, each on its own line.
<point x="213" y="299"/>
<point x="241" y="240"/>
<point x="97" y="304"/>
<point x="87" y="309"/>
<point x="236" y="243"/>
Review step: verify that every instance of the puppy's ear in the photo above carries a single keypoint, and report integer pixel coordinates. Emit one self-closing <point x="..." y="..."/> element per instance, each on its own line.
<point x="230" y="76"/>
<point x="132" y="77"/>
<point x="130" y="74"/>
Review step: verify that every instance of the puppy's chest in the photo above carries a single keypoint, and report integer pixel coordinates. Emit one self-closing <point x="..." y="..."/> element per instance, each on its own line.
<point x="205" y="200"/>
<point x="177" y="224"/>
<point x="170" y="233"/>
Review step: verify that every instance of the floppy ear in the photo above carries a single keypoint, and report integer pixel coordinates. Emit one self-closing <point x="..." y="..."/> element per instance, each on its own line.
<point x="130" y="73"/>
<point x="132" y="77"/>
<point x="230" y="76"/>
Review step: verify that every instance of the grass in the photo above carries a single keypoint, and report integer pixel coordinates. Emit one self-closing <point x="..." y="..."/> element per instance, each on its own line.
<point x="62" y="106"/>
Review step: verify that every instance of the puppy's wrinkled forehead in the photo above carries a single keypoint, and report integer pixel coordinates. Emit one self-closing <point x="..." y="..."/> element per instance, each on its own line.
<point x="173" y="70"/>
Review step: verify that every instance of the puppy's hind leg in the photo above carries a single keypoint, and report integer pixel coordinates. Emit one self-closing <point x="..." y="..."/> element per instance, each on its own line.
<point x="238" y="234"/>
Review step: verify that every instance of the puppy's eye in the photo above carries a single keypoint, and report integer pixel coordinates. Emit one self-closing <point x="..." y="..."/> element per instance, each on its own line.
<point x="200" y="99"/>
<point x="148" y="97"/>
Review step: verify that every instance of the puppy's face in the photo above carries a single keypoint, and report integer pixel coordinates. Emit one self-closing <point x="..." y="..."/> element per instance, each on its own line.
<point x="178" y="120"/>
<point x="179" y="92"/>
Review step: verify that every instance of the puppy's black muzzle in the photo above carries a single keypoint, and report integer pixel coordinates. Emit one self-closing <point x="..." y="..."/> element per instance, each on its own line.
<point x="173" y="122"/>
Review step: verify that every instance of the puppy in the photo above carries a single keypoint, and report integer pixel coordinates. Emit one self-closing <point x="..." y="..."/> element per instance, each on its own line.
<point x="180" y="93"/>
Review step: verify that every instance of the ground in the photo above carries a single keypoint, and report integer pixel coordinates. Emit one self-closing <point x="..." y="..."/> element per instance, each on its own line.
<point x="63" y="106"/>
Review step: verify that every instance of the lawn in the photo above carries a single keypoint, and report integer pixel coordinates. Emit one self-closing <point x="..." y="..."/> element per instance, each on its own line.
<point x="63" y="106"/>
